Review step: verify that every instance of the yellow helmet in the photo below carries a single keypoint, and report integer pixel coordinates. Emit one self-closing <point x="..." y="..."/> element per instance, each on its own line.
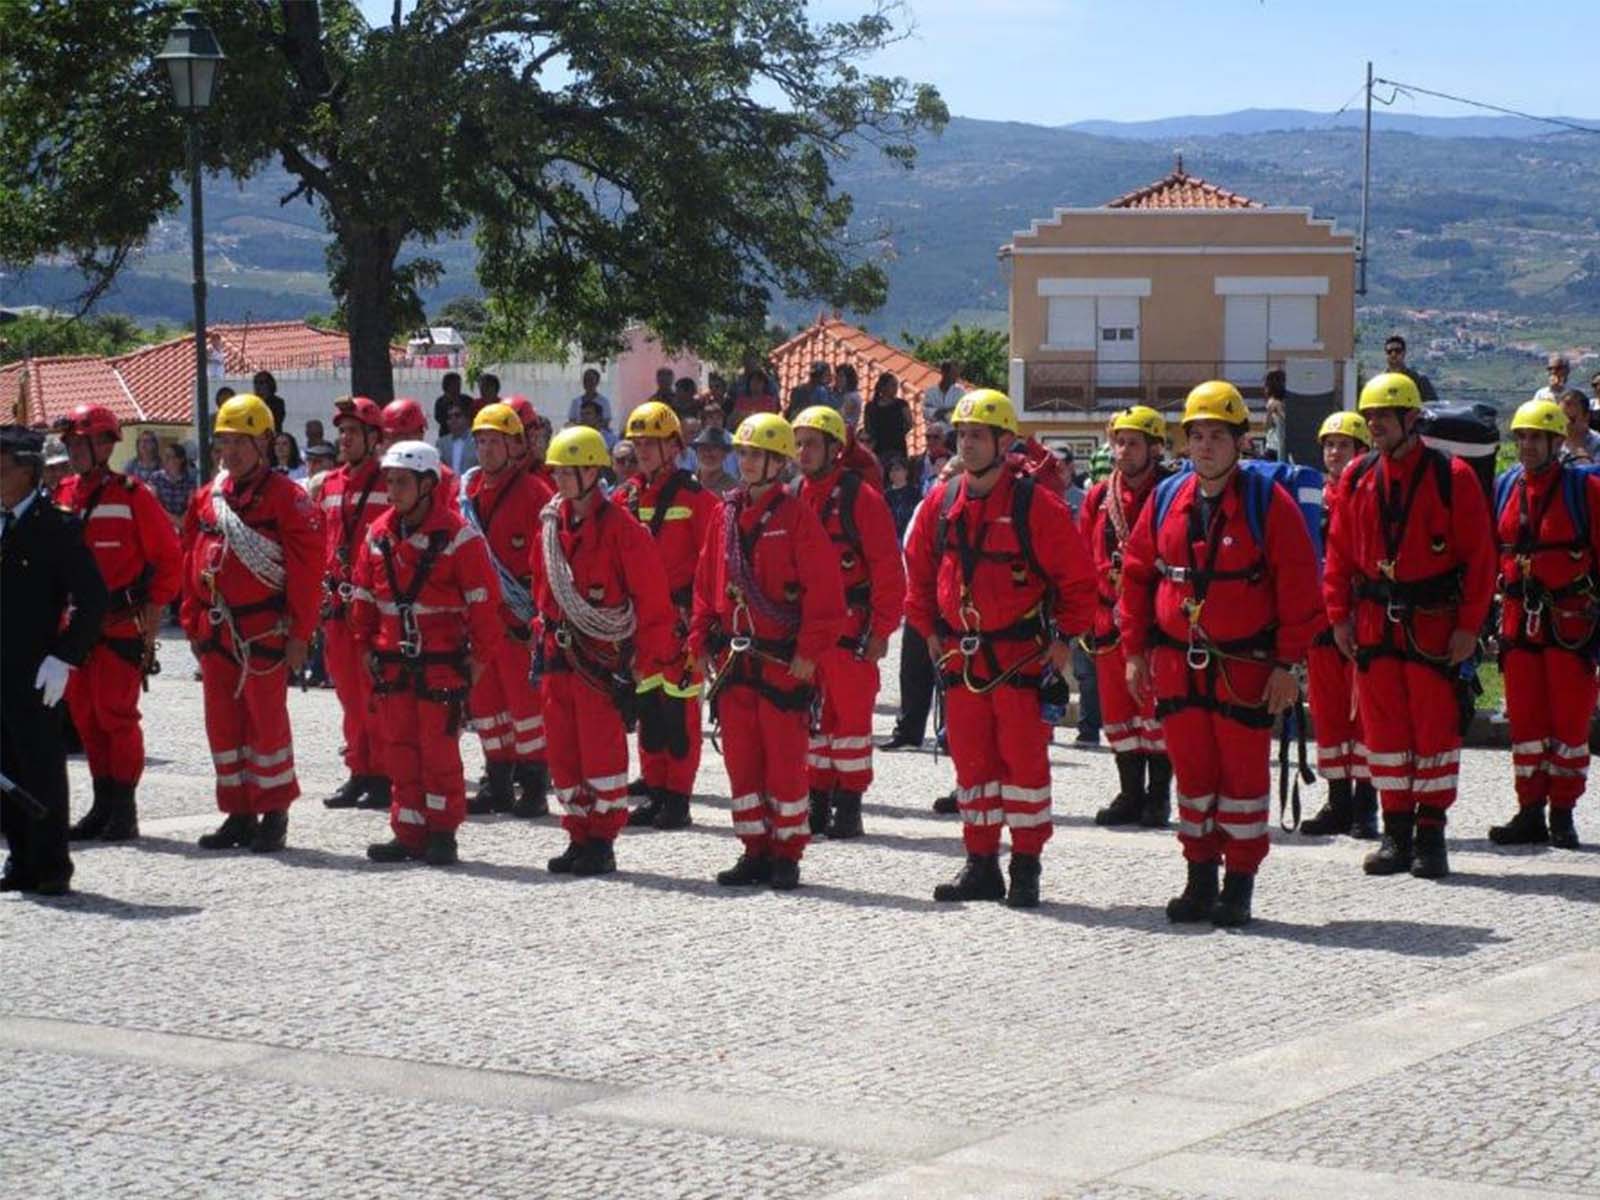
<point x="653" y="419"/>
<point x="985" y="406"/>
<point x="498" y="418"/>
<point x="1215" y="400"/>
<point x="1141" y="419"/>
<point x="244" y="414"/>
<point x="579" y="446"/>
<point x="1541" y="416"/>
<point x="1347" y="424"/>
<point x="824" y="420"/>
<point x="1390" y="390"/>
<point x="765" y="431"/>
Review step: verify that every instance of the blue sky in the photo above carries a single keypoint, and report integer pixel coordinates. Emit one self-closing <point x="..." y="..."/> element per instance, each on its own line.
<point x="1051" y="62"/>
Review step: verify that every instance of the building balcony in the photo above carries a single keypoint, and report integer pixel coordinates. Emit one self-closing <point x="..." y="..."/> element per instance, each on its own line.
<point x="1087" y="386"/>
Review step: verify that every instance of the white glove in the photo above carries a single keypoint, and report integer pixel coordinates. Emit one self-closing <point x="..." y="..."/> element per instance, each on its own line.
<point x="52" y="680"/>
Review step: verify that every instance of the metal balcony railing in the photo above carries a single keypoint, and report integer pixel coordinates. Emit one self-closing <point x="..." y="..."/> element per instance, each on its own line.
<point x="1087" y="386"/>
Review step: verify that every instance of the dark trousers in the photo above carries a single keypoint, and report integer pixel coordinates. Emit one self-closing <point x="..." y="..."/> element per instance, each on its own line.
<point x="32" y="756"/>
<point x="916" y="685"/>
<point x="1088" y="690"/>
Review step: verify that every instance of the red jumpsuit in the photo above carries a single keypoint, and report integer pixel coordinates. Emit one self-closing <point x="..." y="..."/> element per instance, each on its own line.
<point x="239" y="621"/>
<point x="507" y="711"/>
<point x="680" y="530"/>
<point x="1443" y="560"/>
<point x="998" y="740"/>
<point x="1548" y="663"/>
<point x="1130" y="725"/>
<point x="137" y="551"/>
<point x="775" y="545"/>
<point x="1254" y="606"/>
<point x="421" y="661"/>
<point x="613" y="561"/>
<point x="1331" y="695"/>
<point x="874" y="577"/>
<point x="351" y="499"/>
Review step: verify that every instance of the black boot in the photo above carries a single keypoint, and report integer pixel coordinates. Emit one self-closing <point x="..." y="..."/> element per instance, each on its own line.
<point x="392" y="851"/>
<point x="1563" y="832"/>
<point x="597" y="858"/>
<point x="239" y="829"/>
<point x="674" y="813"/>
<point x="349" y="793"/>
<point x="980" y="879"/>
<point x="533" y="779"/>
<point x="1157" y="793"/>
<point x="644" y="817"/>
<point x="495" y="795"/>
<point x="271" y="832"/>
<point x="1198" y="900"/>
<point x="946" y="804"/>
<point x="90" y="826"/>
<point x="638" y="787"/>
<point x="1024" y="890"/>
<point x="821" y="810"/>
<point x="1527" y="828"/>
<point x="377" y="794"/>
<point x="1334" y="816"/>
<point x="846" y="822"/>
<point x="1127" y="808"/>
<point x="563" y="863"/>
<point x="123" y="823"/>
<point x="1430" y="860"/>
<point x="1233" y="906"/>
<point x="752" y="868"/>
<point x="1364" y="811"/>
<point x="785" y="874"/>
<point x="441" y="850"/>
<point x="1393" y="855"/>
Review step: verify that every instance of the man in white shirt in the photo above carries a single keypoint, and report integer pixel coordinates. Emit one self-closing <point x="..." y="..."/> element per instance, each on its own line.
<point x="939" y="401"/>
<point x="1558" y="368"/>
<point x="591" y="395"/>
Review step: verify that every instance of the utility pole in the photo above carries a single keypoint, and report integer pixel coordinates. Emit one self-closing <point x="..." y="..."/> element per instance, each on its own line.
<point x="1366" y="188"/>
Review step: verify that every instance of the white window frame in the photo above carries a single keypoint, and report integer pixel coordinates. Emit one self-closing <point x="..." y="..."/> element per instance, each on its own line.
<point x="1052" y="289"/>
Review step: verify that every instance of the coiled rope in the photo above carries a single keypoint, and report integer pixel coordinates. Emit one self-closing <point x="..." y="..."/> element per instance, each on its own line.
<point x="742" y="575"/>
<point x="593" y="621"/>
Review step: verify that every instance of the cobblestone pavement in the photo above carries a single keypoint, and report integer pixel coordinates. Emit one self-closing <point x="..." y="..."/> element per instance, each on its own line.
<point x="309" y="1024"/>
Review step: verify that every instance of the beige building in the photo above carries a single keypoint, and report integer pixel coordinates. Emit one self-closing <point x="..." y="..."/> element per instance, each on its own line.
<point x="1170" y="285"/>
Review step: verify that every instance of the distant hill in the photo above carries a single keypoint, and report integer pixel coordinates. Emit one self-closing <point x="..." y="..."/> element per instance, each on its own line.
<point x="1274" y="120"/>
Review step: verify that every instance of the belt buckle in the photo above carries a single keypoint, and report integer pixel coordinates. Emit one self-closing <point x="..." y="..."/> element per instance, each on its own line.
<point x="1393" y="610"/>
<point x="970" y="644"/>
<point x="1533" y="616"/>
<point x="563" y="637"/>
<point x="346" y="592"/>
<point x="739" y="643"/>
<point x="214" y="614"/>
<point x="411" y="648"/>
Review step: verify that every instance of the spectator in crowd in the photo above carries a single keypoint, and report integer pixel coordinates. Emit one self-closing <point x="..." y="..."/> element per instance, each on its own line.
<point x="939" y="401"/>
<point x="685" y="398"/>
<point x="849" y="390"/>
<point x="624" y="462"/>
<point x="224" y="394"/>
<point x="589" y="414"/>
<point x="814" y="391"/>
<point x="1100" y="461"/>
<point x="266" y="387"/>
<point x="314" y="434"/>
<point x="456" y="448"/>
<point x="176" y="483"/>
<point x="758" y="396"/>
<point x="717" y="393"/>
<point x="1394" y="354"/>
<point x="488" y="391"/>
<point x="590" y="394"/>
<point x="711" y="450"/>
<point x="146" y="462"/>
<point x="286" y="457"/>
<point x="1275" y="387"/>
<point x="690" y="427"/>
<point x="886" y="419"/>
<point x="1582" y="444"/>
<point x="451" y="383"/>
<point x="1557" y="369"/>
<point x="320" y="457"/>
<point x="1594" y="399"/>
<point x="713" y="416"/>
<point x="57" y="465"/>
<point x="940" y="441"/>
<point x="901" y="493"/>
<point x="1073" y="489"/>
<point x="665" y="391"/>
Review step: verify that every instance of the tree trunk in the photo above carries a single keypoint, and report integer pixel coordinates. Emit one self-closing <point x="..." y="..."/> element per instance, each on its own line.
<point x="369" y="254"/>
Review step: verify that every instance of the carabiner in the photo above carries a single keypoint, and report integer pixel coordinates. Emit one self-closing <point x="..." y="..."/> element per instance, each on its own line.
<point x="1198" y="656"/>
<point x="739" y="643"/>
<point x="1393" y="610"/>
<point x="970" y="644"/>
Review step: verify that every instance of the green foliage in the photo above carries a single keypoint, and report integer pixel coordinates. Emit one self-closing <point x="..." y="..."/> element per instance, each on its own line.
<point x="104" y="334"/>
<point x="467" y="314"/>
<point x="982" y="356"/>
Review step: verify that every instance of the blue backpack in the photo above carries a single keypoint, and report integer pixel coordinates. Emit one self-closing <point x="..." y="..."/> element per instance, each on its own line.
<point x="1304" y="485"/>
<point x="1574" y="492"/>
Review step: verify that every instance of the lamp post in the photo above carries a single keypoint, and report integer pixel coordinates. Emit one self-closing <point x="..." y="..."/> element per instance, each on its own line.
<point x="193" y="58"/>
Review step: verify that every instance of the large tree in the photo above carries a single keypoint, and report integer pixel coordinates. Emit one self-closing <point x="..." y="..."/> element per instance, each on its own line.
<point x="619" y="160"/>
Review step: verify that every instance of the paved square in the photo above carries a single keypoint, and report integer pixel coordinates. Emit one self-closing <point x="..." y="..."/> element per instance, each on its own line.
<point x="310" y="1024"/>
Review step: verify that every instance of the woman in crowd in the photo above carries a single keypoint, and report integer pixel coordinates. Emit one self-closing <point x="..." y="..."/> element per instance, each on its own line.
<point x="886" y="421"/>
<point x="286" y="457"/>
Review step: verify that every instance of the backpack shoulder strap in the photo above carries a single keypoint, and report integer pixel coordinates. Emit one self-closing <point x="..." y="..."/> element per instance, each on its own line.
<point x="669" y="492"/>
<point x="1165" y="492"/>
<point x="849" y="489"/>
<point x="1505" y="485"/>
<point x="1257" y="486"/>
<point x="1021" y="507"/>
<point x="1442" y="474"/>
<point x="1575" y="492"/>
<point x="1359" y="468"/>
<point x="941" y="531"/>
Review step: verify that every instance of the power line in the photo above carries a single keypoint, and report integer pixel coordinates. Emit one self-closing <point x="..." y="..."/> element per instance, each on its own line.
<point x="1409" y="88"/>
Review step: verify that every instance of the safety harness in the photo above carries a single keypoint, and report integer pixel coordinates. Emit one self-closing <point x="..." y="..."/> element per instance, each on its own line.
<point x="337" y="583"/>
<point x="841" y="499"/>
<point x="1115" y="536"/>
<point x="585" y="626"/>
<point x="263" y="559"/>
<point x="1540" y="601"/>
<point x="127" y="603"/>
<point x="409" y="660"/>
<point x="515" y="590"/>
<point x="680" y="480"/>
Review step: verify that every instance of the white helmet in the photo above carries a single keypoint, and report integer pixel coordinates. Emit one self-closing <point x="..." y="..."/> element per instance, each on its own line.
<point x="412" y="456"/>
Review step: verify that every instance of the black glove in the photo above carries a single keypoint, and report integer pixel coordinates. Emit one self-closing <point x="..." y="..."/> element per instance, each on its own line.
<point x="675" y="725"/>
<point x="1053" y="689"/>
<point x="628" y="702"/>
<point x="652" y="735"/>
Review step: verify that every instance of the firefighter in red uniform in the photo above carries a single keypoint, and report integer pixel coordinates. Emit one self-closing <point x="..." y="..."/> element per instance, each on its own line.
<point x="768" y="606"/>
<point x="137" y="551"/>
<point x="351" y="497"/>
<point x="607" y="645"/>
<point x="404" y="421"/>
<point x="502" y="502"/>
<point x="252" y="575"/>
<point x="679" y="514"/>
<point x="1110" y="511"/>
<point x="1409" y="580"/>
<point x="1352" y="804"/>
<point x="998" y="607"/>
<point x="858" y="522"/>
<point x="1215" y="618"/>
<point x="426" y="611"/>
<point x="1549" y="625"/>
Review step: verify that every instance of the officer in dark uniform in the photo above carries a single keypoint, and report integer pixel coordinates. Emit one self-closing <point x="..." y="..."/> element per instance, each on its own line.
<point x="45" y="569"/>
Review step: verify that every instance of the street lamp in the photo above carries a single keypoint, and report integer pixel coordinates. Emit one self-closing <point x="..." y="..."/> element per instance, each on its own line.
<point x="193" y="58"/>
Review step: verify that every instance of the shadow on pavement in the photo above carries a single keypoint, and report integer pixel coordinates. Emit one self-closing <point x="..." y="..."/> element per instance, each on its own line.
<point x="1476" y="845"/>
<point x="1567" y="887"/>
<point x="96" y="905"/>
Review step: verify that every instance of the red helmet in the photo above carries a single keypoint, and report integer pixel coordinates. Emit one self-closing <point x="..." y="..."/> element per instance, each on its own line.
<point x="86" y="420"/>
<point x="404" y="415"/>
<point x="357" y="408"/>
<point x="526" y="413"/>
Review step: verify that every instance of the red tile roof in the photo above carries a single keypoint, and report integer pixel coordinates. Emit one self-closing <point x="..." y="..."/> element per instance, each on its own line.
<point x="1182" y="190"/>
<point x="52" y="386"/>
<point x="835" y="342"/>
